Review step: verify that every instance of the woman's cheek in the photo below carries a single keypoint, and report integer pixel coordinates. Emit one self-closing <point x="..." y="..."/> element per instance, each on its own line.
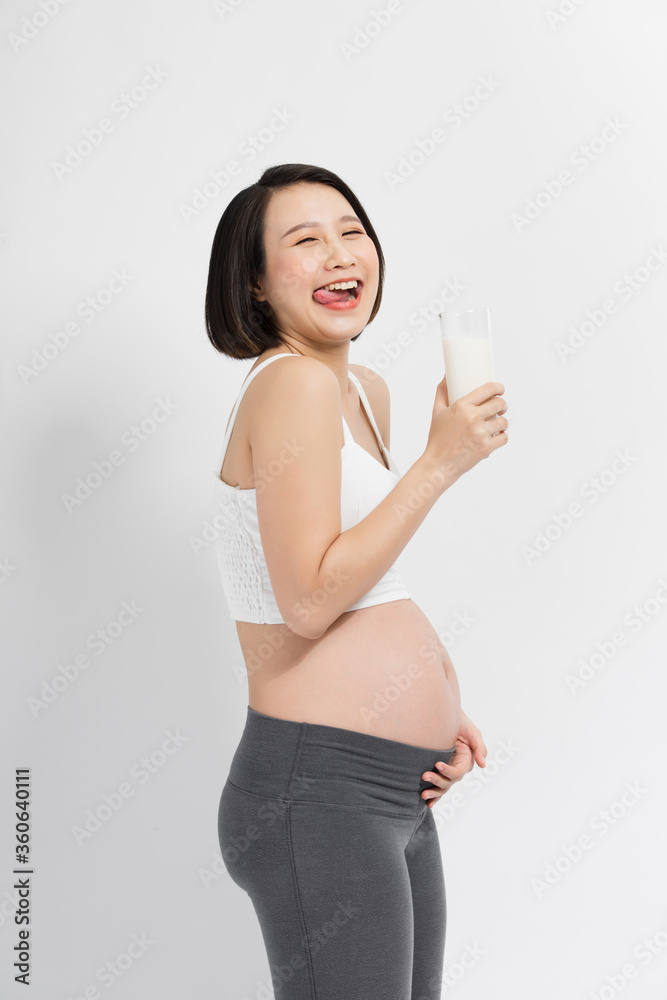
<point x="288" y="281"/>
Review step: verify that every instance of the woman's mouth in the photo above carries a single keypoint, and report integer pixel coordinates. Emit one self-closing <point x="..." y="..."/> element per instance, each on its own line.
<point x="339" y="294"/>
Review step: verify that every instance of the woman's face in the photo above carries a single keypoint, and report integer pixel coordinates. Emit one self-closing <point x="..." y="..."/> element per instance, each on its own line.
<point x="312" y="239"/>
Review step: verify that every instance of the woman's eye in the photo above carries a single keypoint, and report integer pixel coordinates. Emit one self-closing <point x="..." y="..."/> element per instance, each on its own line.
<point x="349" y="232"/>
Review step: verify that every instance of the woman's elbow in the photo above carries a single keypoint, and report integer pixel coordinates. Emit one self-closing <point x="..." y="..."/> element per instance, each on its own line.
<point x="307" y="610"/>
<point x="308" y="624"/>
<point x="307" y="619"/>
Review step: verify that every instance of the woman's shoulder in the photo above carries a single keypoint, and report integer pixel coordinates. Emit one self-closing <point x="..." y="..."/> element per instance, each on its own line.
<point x="313" y="374"/>
<point x="307" y="378"/>
<point x="304" y="369"/>
<point x="370" y="380"/>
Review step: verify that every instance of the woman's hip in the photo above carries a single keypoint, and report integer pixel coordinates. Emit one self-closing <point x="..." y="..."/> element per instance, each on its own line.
<point x="286" y="761"/>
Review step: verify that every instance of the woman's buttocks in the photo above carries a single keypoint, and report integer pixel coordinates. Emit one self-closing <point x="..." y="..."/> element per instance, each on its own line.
<point x="377" y="670"/>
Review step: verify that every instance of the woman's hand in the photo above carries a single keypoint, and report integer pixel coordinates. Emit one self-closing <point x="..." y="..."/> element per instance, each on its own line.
<point x="470" y="748"/>
<point x="468" y="430"/>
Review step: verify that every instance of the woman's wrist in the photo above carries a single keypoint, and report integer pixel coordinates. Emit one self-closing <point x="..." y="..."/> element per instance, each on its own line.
<point x="434" y="474"/>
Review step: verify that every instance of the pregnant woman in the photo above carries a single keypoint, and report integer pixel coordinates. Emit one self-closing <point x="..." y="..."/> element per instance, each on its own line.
<point x="354" y="726"/>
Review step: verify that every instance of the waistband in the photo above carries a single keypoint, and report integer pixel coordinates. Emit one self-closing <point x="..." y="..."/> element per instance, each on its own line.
<point x="311" y="762"/>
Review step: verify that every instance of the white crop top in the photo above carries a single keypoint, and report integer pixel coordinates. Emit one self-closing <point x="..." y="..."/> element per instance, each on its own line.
<point x="240" y="556"/>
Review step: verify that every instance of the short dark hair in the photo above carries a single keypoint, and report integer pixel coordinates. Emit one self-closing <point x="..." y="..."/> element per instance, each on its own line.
<point x="237" y="324"/>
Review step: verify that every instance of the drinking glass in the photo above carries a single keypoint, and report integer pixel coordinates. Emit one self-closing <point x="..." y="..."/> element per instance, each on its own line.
<point x="466" y="344"/>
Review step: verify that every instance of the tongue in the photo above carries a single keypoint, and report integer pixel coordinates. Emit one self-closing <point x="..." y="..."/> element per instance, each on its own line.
<point x="324" y="297"/>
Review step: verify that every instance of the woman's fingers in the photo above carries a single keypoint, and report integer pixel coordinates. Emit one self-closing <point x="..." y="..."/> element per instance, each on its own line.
<point x="445" y="775"/>
<point x="470" y="747"/>
<point x="442" y="781"/>
<point x="435" y="779"/>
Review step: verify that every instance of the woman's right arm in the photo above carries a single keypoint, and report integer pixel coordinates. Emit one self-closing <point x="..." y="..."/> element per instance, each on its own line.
<point x="316" y="570"/>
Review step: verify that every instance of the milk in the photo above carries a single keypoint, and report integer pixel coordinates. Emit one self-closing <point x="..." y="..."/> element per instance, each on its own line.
<point x="468" y="364"/>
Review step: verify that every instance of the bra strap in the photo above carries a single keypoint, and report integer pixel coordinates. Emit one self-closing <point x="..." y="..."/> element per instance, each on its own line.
<point x="369" y="411"/>
<point x="248" y="380"/>
<point x="347" y="433"/>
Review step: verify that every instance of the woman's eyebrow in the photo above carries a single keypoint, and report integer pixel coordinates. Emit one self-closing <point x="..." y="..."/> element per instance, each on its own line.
<point x="313" y="225"/>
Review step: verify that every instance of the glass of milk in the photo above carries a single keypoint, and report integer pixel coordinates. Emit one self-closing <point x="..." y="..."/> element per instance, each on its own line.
<point x="466" y="344"/>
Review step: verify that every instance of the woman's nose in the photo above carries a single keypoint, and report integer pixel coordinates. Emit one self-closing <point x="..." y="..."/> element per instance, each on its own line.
<point x="340" y="254"/>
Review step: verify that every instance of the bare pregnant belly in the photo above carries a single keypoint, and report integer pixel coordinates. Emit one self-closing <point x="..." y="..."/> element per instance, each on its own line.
<point x="378" y="670"/>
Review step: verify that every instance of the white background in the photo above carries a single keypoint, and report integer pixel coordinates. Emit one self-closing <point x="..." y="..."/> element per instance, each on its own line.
<point x="362" y="98"/>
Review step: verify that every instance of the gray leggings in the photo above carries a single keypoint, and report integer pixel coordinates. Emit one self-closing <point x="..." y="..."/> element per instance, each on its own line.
<point x="324" y="828"/>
